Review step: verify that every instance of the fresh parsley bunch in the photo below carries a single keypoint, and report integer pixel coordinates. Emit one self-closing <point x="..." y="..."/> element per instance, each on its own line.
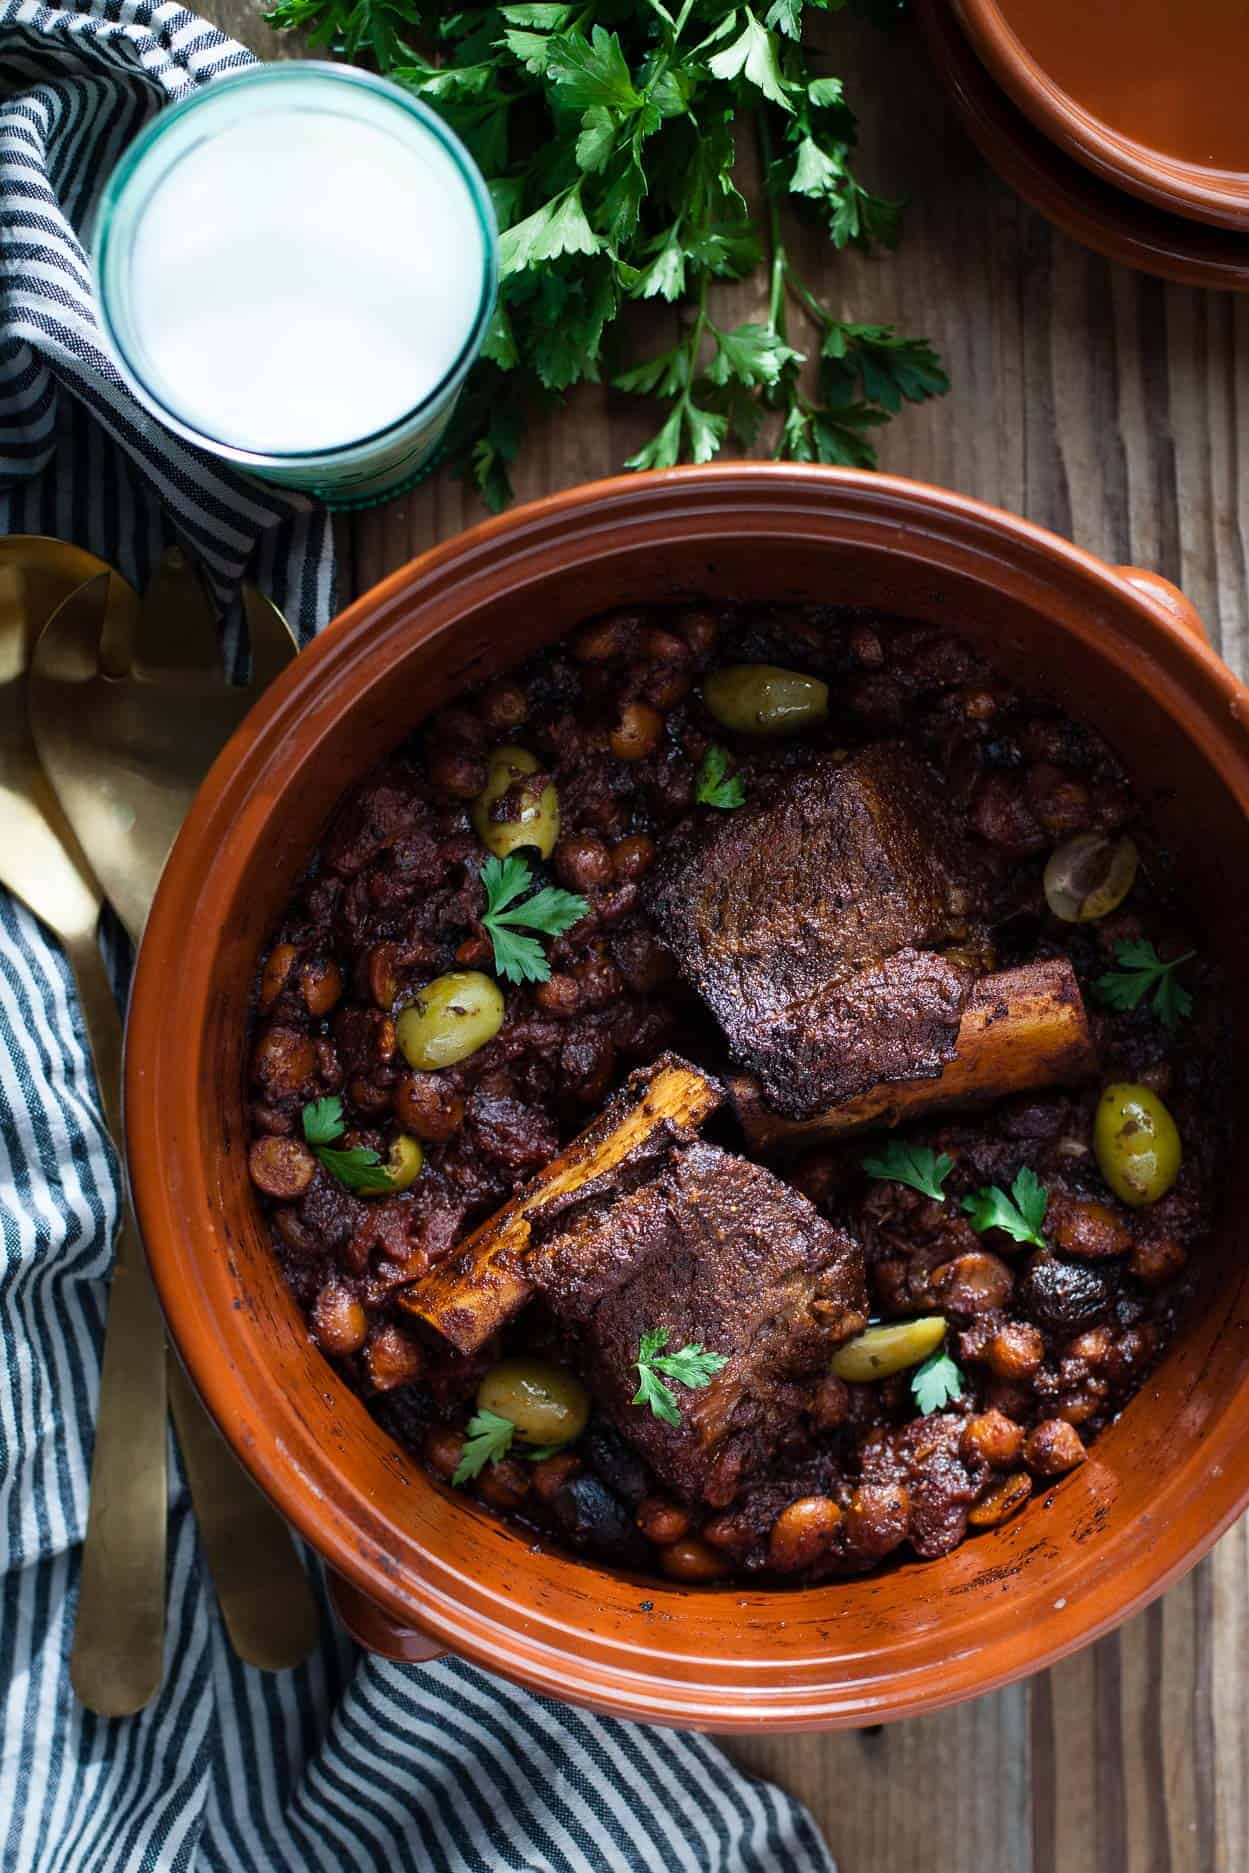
<point x="609" y="132"/>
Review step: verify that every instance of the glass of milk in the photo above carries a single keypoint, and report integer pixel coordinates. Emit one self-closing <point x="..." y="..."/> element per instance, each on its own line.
<point x="295" y="268"/>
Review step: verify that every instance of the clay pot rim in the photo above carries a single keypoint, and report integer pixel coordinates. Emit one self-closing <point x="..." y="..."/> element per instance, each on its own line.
<point x="1219" y="196"/>
<point x="1123" y="227"/>
<point x="1148" y="632"/>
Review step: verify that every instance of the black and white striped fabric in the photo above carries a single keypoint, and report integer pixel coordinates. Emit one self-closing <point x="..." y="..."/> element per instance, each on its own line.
<point x="348" y="1765"/>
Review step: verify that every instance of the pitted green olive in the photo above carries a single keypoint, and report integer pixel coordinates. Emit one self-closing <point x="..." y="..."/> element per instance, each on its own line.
<point x="533" y="812"/>
<point x="404" y="1163"/>
<point x="547" y="1403"/>
<point x="1136" y="1143"/>
<point x="450" y="1019"/>
<point x="1089" y="876"/>
<point x="761" y="699"/>
<point x="879" y="1352"/>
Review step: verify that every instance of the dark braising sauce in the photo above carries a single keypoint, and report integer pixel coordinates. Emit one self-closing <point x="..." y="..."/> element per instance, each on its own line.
<point x="1169" y="76"/>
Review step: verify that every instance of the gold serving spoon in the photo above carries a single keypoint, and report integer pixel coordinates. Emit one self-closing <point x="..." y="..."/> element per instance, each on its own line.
<point x="119" y="1637"/>
<point x="125" y="753"/>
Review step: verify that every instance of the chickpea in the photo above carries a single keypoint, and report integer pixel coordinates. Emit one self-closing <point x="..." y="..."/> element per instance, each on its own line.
<point x="662" y="1521"/>
<point x="831" y="1404"/>
<point x="392" y="1358"/>
<point x="278" y="965"/>
<point x="321" y="984"/>
<point x="383" y="977"/>
<point x="582" y="863"/>
<point x="559" y="996"/>
<point x="502" y="705"/>
<point x="803" y="1533"/>
<point x="692" y="1561"/>
<point x="1053" y="1447"/>
<point x="284" y="1062"/>
<point x="428" y="1108"/>
<point x="281" y="1167"/>
<point x="443" y="1449"/>
<point x="547" y="1403"/>
<point x="632" y="858"/>
<point x="762" y="699"/>
<point x="552" y="1473"/>
<point x="613" y="636"/>
<point x="1157" y="1260"/>
<point x="338" y="1321"/>
<point x="636" y="732"/>
<point x="974" y="1283"/>
<point x="1088" y="1230"/>
<point x="1003" y="1498"/>
<point x="731" y="1532"/>
<point x="879" y="1351"/>
<point x="665" y="686"/>
<point x="991" y="1437"/>
<point x="1136" y="1144"/>
<point x="877" y="1519"/>
<point x="699" y="628"/>
<point x="532" y="814"/>
<point x="1089" y="876"/>
<point x="456" y="772"/>
<point x="450" y="1019"/>
<point x="1015" y="1351"/>
<point x="504" y="1484"/>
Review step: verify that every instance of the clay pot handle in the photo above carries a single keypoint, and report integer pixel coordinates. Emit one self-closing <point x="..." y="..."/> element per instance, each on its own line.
<point x="1166" y="598"/>
<point x="375" y="1630"/>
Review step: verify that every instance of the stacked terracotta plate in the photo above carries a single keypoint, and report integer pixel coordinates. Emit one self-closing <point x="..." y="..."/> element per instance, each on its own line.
<point x="1125" y="125"/>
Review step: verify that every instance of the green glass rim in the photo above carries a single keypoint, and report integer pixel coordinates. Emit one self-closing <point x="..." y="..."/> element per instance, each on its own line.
<point x="254" y="76"/>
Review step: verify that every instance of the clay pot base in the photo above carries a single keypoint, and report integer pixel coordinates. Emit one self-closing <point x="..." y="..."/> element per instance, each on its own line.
<point x="1110" y="221"/>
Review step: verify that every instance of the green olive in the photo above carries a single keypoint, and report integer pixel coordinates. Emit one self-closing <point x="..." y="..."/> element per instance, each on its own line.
<point x="1136" y="1143"/>
<point x="450" y="1019"/>
<point x="878" y="1352"/>
<point x="760" y="699"/>
<point x="1089" y="876"/>
<point x="404" y="1163"/>
<point x="537" y="812"/>
<point x="547" y="1403"/>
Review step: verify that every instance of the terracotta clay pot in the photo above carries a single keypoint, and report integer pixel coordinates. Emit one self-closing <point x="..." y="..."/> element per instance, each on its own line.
<point x="423" y="1564"/>
<point x="1123" y="227"/>
<point x="1217" y="196"/>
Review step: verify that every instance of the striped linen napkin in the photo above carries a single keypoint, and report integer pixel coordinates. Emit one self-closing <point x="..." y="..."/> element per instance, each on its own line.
<point x="348" y="1765"/>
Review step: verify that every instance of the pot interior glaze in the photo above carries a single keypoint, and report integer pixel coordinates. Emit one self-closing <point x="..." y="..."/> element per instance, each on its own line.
<point x="1159" y="1485"/>
<point x="1148" y="96"/>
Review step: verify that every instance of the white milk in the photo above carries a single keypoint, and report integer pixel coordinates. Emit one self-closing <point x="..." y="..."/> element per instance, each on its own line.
<point x="296" y="263"/>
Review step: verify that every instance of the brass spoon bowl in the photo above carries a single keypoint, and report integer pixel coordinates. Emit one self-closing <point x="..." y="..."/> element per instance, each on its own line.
<point x="119" y="1635"/>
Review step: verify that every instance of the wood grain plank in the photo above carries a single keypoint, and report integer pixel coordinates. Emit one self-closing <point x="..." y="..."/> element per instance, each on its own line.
<point x="1114" y="409"/>
<point x="949" y="1791"/>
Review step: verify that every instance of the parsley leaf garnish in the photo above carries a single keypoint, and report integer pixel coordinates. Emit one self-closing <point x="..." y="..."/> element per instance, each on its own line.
<point x="937" y="1382"/>
<point x="520" y="958"/>
<point x="1021" y="1214"/>
<point x="358" y="1168"/>
<point x="915" y="1165"/>
<point x="611" y="138"/>
<point x="715" y="786"/>
<point x="693" y="1365"/>
<point x="489" y="1438"/>
<point x="1142" y="972"/>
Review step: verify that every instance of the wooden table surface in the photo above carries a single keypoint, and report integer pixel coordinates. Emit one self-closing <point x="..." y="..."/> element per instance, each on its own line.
<point x="1115" y="410"/>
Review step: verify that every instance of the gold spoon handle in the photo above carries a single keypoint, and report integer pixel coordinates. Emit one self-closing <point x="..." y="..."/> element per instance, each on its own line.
<point x="265" y="1596"/>
<point x="119" y="1634"/>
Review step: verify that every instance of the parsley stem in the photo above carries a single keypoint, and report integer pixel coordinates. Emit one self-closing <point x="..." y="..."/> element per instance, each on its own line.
<point x="779" y="266"/>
